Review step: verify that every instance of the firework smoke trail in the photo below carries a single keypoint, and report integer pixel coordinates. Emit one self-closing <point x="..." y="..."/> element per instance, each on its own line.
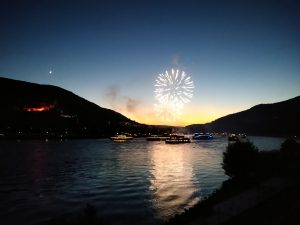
<point x="168" y="111"/>
<point x="172" y="90"/>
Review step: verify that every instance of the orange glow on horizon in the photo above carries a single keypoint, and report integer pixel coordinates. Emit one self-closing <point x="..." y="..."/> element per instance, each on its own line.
<point x="191" y="115"/>
<point x="188" y="118"/>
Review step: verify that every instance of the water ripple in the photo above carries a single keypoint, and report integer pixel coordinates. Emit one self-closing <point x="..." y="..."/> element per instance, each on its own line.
<point x="126" y="182"/>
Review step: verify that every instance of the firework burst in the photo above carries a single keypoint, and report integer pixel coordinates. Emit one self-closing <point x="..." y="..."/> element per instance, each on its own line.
<point x="174" y="86"/>
<point x="168" y="111"/>
<point x="173" y="89"/>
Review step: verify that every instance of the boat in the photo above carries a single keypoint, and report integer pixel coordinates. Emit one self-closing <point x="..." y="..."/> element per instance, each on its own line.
<point x="121" y="138"/>
<point x="177" y="139"/>
<point x="202" y="136"/>
<point x="156" y="138"/>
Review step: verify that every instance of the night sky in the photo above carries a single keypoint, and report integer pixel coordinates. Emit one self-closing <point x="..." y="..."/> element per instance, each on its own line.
<point x="238" y="53"/>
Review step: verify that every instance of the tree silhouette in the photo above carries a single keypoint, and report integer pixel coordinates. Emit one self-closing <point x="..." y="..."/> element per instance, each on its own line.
<point x="240" y="159"/>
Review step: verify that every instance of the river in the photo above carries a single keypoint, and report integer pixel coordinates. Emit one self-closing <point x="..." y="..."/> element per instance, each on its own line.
<point x="135" y="182"/>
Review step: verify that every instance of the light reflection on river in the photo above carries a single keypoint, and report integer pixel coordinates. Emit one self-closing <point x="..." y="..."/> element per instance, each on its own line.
<point x="127" y="182"/>
<point x="172" y="181"/>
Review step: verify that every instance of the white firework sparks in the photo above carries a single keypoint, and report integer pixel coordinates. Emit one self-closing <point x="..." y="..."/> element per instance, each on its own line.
<point x="174" y="86"/>
<point x="173" y="89"/>
<point x="168" y="111"/>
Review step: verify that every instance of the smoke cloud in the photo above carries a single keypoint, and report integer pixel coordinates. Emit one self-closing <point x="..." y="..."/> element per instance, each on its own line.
<point x="111" y="95"/>
<point x="121" y="103"/>
<point x="131" y="104"/>
<point x="176" y="59"/>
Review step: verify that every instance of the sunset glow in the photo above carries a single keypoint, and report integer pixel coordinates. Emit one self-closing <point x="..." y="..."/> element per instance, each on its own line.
<point x="230" y="55"/>
<point x="149" y="112"/>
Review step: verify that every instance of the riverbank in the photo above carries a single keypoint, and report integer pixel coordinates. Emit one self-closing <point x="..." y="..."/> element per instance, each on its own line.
<point x="267" y="195"/>
<point x="281" y="208"/>
<point x="245" y="203"/>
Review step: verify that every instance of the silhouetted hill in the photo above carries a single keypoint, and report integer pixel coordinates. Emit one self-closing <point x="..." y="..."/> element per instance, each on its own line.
<point x="279" y="119"/>
<point x="29" y="109"/>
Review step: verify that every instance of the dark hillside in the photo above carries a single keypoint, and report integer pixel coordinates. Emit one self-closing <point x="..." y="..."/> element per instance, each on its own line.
<point x="32" y="109"/>
<point x="277" y="119"/>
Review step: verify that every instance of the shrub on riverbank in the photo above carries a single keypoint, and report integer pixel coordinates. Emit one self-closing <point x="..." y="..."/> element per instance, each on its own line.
<point x="243" y="160"/>
<point x="240" y="159"/>
<point x="290" y="156"/>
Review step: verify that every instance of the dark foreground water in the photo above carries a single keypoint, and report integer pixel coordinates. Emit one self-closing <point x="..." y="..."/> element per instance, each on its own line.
<point x="135" y="182"/>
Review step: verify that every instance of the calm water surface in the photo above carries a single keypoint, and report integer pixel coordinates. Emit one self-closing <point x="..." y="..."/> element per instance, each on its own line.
<point x="135" y="182"/>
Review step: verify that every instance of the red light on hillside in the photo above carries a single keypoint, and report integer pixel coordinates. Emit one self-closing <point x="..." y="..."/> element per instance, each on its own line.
<point x="38" y="109"/>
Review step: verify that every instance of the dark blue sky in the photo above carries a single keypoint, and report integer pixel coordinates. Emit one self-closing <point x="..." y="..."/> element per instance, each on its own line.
<point x="238" y="53"/>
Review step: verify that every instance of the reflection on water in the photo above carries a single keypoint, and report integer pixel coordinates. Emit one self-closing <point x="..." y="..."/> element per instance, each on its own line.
<point x="37" y="166"/>
<point x="172" y="179"/>
<point x="127" y="182"/>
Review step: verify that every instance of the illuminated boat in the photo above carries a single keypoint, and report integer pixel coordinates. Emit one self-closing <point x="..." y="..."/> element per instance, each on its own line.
<point x="121" y="138"/>
<point x="202" y="136"/>
<point x="177" y="139"/>
<point x="156" y="138"/>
